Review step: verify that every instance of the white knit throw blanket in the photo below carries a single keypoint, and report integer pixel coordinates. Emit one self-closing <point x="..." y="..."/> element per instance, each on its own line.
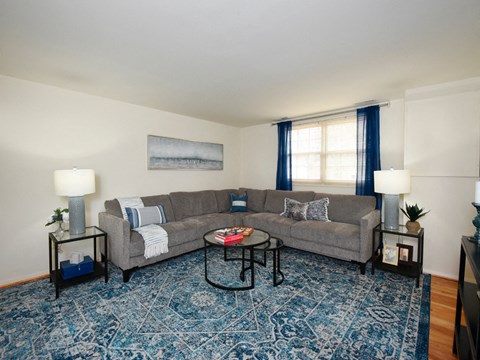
<point x="132" y="202"/>
<point x="154" y="236"/>
<point x="156" y="240"/>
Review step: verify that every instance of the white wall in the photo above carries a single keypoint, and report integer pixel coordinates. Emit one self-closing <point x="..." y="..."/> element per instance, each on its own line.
<point x="259" y="151"/>
<point x="43" y="128"/>
<point x="442" y="147"/>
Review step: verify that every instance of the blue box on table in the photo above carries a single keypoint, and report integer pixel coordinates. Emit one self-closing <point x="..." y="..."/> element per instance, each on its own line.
<point x="70" y="271"/>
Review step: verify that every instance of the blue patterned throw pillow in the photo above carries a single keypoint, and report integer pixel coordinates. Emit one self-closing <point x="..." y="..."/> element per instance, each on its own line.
<point x="138" y="217"/>
<point x="239" y="203"/>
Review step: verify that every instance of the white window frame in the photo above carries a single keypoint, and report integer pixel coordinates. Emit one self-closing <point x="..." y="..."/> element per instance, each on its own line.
<point x="346" y="118"/>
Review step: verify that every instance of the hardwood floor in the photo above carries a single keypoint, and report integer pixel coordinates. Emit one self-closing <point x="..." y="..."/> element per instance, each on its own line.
<point x="442" y="318"/>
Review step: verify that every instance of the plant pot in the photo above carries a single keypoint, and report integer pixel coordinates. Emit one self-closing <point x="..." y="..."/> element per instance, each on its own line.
<point x="413" y="226"/>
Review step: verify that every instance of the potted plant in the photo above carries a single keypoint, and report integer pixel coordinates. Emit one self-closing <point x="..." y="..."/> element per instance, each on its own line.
<point x="59" y="216"/>
<point x="413" y="213"/>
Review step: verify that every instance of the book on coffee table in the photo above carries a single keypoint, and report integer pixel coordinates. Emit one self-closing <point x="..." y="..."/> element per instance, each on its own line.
<point x="229" y="238"/>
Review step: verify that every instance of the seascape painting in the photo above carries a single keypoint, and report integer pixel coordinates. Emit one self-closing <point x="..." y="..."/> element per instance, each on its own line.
<point x="170" y="153"/>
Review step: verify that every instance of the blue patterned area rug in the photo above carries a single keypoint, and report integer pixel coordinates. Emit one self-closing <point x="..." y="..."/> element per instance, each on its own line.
<point x="324" y="310"/>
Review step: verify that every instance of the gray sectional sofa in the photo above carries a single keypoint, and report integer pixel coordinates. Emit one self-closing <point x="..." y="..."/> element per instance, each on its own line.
<point x="191" y="214"/>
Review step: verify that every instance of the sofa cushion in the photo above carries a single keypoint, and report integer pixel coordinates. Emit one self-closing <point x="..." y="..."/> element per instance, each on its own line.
<point x="194" y="203"/>
<point x="345" y="236"/>
<point x="239" y="216"/>
<point x="210" y="222"/>
<point x="272" y="223"/>
<point x="223" y="199"/>
<point x="275" y="199"/>
<point x="179" y="232"/>
<point x="256" y="199"/>
<point x="163" y="200"/>
<point x="348" y="208"/>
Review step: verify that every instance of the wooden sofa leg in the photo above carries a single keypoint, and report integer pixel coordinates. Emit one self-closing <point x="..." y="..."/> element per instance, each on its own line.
<point x="362" y="268"/>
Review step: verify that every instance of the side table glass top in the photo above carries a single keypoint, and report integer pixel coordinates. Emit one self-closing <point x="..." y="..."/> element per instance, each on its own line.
<point x="90" y="231"/>
<point x="258" y="237"/>
<point x="402" y="230"/>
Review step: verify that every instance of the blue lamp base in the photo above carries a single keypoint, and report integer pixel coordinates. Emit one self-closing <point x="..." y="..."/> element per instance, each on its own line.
<point x="76" y="213"/>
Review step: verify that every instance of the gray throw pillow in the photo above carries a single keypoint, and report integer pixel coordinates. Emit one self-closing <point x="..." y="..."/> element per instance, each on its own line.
<point x="295" y="210"/>
<point x="318" y="210"/>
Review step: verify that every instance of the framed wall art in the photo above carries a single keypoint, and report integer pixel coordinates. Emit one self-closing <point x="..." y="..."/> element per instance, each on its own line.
<point x="178" y="154"/>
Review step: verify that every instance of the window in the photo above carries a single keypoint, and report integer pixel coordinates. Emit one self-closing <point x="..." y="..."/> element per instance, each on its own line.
<point x="325" y="152"/>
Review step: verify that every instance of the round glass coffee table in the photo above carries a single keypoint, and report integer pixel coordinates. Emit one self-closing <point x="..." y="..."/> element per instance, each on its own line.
<point x="248" y="244"/>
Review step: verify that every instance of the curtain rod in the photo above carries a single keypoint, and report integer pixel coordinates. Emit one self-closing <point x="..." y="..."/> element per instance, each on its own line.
<point x="329" y="113"/>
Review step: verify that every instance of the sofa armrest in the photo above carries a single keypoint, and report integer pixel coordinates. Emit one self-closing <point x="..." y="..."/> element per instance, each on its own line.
<point x="367" y="223"/>
<point x="118" y="237"/>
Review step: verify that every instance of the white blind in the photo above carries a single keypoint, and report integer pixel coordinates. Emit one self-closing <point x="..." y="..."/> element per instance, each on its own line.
<point x="325" y="152"/>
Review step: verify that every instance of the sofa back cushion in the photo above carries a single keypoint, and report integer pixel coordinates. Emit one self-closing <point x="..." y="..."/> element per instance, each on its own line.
<point x="163" y="200"/>
<point x="256" y="199"/>
<point x="348" y="208"/>
<point x="275" y="200"/>
<point x="193" y="203"/>
<point x="223" y="199"/>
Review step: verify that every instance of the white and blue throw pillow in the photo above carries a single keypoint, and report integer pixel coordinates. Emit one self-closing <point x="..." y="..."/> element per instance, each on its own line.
<point x="239" y="203"/>
<point x="138" y="217"/>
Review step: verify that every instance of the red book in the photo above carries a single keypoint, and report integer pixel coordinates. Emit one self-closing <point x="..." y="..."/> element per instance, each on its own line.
<point x="229" y="238"/>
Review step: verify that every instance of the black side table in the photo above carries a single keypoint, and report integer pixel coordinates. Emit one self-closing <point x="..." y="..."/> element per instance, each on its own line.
<point x="415" y="269"/>
<point x="99" y="269"/>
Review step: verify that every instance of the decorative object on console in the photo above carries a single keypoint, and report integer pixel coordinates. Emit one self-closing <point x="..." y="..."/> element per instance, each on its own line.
<point x="75" y="184"/>
<point x="476" y="219"/>
<point x="170" y="153"/>
<point x="239" y="202"/>
<point x="413" y="213"/>
<point x="392" y="183"/>
<point x="476" y="223"/>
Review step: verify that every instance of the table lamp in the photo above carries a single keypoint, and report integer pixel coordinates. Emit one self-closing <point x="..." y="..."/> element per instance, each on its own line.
<point x="392" y="183"/>
<point x="75" y="184"/>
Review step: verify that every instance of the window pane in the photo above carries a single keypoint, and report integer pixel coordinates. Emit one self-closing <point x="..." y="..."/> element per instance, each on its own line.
<point x="307" y="140"/>
<point x="333" y="142"/>
<point x="306" y="167"/>
<point x="341" y="167"/>
<point x="342" y="136"/>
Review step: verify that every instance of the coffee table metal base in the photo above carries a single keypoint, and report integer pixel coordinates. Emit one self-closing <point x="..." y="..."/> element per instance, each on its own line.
<point x="250" y="267"/>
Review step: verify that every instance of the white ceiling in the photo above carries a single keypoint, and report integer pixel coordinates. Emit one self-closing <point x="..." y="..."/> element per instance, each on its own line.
<point x="240" y="62"/>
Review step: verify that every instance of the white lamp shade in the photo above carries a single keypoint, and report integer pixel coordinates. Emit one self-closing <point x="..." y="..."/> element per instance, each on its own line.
<point x="75" y="182"/>
<point x="392" y="181"/>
